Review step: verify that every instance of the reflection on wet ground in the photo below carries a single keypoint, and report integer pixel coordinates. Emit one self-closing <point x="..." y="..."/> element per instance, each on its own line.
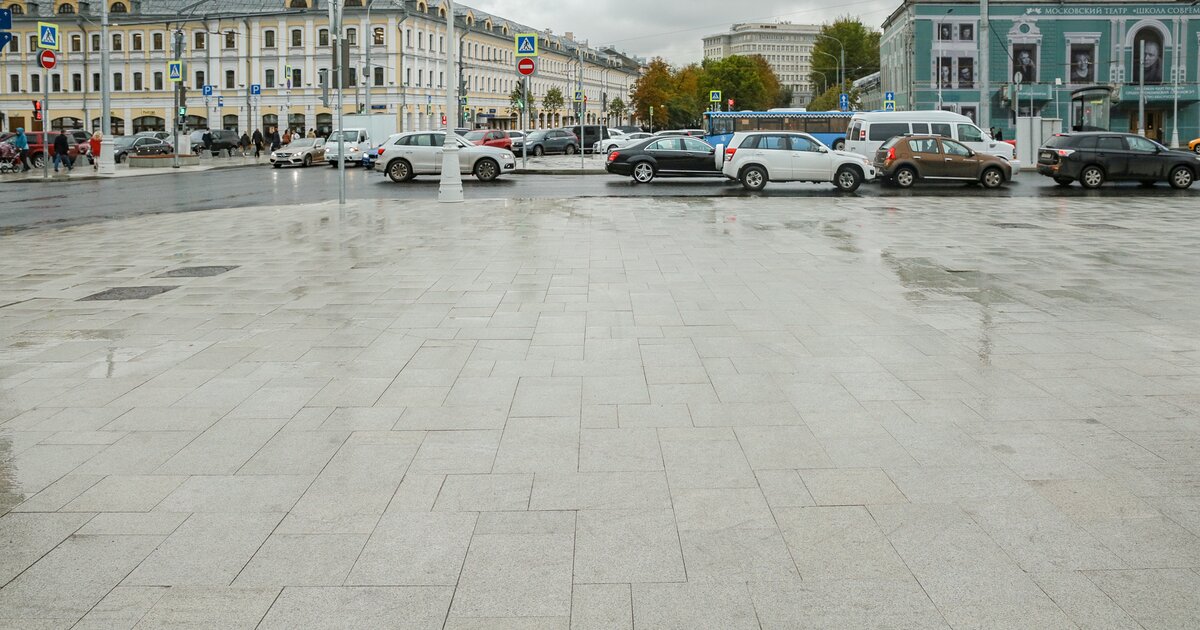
<point x="949" y="411"/>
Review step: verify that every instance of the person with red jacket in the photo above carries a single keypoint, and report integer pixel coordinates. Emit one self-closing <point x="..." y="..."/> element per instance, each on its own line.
<point x="94" y="146"/>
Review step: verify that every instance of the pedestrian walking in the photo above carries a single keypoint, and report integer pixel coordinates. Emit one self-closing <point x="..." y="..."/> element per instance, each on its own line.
<point x="21" y="143"/>
<point x="312" y="133"/>
<point x="275" y="143"/>
<point x="94" y="146"/>
<point x="206" y="140"/>
<point x="62" y="151"/>
<point x="287" y="136"/>
<point x="258" y="143"/>
<point x="244" y="143"/>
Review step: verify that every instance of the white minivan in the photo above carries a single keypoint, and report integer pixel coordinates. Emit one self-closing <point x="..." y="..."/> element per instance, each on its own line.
<point x="869" y="130"/>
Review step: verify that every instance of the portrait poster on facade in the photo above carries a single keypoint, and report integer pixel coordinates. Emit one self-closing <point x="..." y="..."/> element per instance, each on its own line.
<point x="1025" y="62"/>
<point x="966" y="73"/>
<point x="970" y="111"/>
<point x="946" y="72"/>
<point x="1083" y="63"/>
<point x="966" y="32"/>
<point x="1148" y="55"/>
<point x="945" y="32"/>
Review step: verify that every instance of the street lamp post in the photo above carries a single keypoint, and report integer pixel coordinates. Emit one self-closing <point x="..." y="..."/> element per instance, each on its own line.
<point x="842" y="65"/>
<point x="450" y="189"/>
<point x="106" y="165"/>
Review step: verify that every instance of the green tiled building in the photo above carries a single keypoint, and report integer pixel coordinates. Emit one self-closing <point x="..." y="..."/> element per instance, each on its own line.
<point x="1079" y="61"/>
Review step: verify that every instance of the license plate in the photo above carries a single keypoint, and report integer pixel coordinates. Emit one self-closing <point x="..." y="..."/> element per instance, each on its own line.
<point x="1048" y="156"/>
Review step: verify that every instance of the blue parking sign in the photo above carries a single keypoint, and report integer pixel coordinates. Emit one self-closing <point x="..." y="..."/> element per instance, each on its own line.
<point x="255" y="89"/>
<point x="207" y="90"/>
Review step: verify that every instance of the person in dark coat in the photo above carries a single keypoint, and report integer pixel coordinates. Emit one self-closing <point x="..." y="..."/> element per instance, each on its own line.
<point x="258" y="142"/>
<point x="275" y="140"/>
<point x="206" y="139"/>
<point x="62" y="149"/>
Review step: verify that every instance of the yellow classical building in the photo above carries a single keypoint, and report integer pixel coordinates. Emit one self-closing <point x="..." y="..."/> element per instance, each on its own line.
<point x="283" y="47"/>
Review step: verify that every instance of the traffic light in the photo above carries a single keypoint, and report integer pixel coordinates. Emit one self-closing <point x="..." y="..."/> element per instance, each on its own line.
<point x="182" y="96"/>
<point x="323" y="81"/>
<point x="37" y="110"/>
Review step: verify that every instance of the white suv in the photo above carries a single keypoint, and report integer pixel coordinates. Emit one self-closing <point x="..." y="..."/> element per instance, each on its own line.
<point x="403" y="156"/>
<point x="756" y="157"/>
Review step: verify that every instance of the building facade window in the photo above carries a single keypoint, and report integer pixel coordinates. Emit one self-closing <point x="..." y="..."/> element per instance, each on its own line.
<point x="118" y="84"/>
<point x="117" y="42"/>
<point x="56" y="83"/>
<point x="35" y="83"/>
<point x="296" y="76"/>
<point x="352" y="36"/>
<point x="377" y="79"/>
<point x="200" y="79"/>
<point x="137" y="81"/>
<point x="377" y="36"/>
<point x="230" y="40"/>
<point x="298" y="37"/>
<point x="199" y="39"/>
<point x="269" y="39"/>
<point x="76" y="82"/>
<point x="230" y="79"/>
<point x="269" y="79"/>
<point x="322" y="38"/>
<point x="76" y="43"/>
<point x="158" y="81"/>
<point x="136" y="41"/>
<point x="95" y="43"/>
<point x="156" y="41"/>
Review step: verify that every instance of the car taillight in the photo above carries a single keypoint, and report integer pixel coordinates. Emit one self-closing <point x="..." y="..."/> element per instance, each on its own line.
<point x="891" y="154"/>
<point x="729" y="153"/>
<point x="612" y="156"/>
<point x="862" y="134"/>
<point x="380" y="154"/>
<point x="1064" y="152"/>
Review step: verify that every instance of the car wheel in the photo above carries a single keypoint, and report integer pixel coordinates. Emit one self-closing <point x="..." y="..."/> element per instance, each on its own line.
<point x="307" y="161"/>
<point x="399" y="171"/>
<point x="570" y="150"/>
<point x="1091" y="177"/>
<point x="847" y="179"/>
<point x="905" y="177"/>
<point x="992" y="178"/>
<point x="1197" y="148"/>
<point x="839" y="145"/>
<point x="487" y="169"/>
<point x="754" y="178"/>
<point x="38" y="160"/>
<point x="1063" y="181"/>
<point x="643" y="172"/>
<point x="1181" y="178"/>
<point x="538" y="151"/>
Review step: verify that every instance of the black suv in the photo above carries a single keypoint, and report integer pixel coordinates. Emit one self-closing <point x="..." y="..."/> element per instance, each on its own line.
<point x="1096" y="157"/>
<point x="223" y="140"/>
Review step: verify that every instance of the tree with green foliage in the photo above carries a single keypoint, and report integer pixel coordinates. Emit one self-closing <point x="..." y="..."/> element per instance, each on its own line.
<point x="741" y="78"/>
<point x="653" y="90"/>
<point x="516" y="98"/>
<point x="862" y="58"/>
<point x="553" y="100"/>
<point x="616" y="110"/>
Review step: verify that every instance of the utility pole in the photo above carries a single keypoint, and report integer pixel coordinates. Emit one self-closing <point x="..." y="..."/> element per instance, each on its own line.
<point x="106" y="166"/>
<point x="582" y="110"/>
<point x="450" y="189"/>
<point x="368" y="42"/>
<point x="178" y="113"/>
<point x="335" y="22"/>
<point x="985" y="43"/>
<point x="1141" y="89"/>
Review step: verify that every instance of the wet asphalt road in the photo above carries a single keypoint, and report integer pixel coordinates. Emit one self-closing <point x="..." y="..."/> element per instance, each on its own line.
<point x="61" y="203"/>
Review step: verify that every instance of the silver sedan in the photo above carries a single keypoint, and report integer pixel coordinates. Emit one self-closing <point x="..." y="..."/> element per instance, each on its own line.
<point x="301" y="152"/>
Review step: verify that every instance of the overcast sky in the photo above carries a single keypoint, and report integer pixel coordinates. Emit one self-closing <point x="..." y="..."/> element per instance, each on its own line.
<point x="672" y="29"/>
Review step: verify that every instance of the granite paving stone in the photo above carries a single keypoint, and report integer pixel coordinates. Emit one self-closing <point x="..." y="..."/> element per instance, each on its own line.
<point x="798" y="410"/>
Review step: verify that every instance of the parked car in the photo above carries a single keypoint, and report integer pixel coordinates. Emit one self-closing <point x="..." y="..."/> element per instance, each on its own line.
<point x="869" y="130"/>
<point x="756" y="157"/>
<point x="222" y="140"/>
<point x="628" y="129"/>
<point x="301" y="152"/>
<point x="126" y="146"/>
<point x="589" y="135"/>
<point x="490" y="138"/>
<point x="38" y="153"/>
<point x="518" y="140"/>
<point x="160" y="135"/>
<point x="1093" y="158"/>
<point x="626" y="140"/>
<point x="546" y="141"/>
<point x="403" y="156"/>
<point x="907" y="160"/>
<point x="667" y="157"/>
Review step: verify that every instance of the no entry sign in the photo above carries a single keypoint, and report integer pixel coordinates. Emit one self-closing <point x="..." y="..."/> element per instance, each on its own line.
<point x="526" y="66"/>
<point x="48" y="59"/>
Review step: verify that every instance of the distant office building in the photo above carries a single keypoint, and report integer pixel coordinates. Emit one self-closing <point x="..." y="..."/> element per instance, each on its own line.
<point x="786" y="47"/>
<point x="1081" y="61"/>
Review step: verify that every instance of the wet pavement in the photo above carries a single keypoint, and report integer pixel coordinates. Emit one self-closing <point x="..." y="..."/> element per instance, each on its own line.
<point x="61" y="203"/>
<point x="606" y="413"/>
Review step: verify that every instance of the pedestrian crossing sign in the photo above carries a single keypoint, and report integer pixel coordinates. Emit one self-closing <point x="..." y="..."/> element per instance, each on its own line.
<point x="527" y="45"/>
<point x="47" y="36"/>
<point x="579" y="97"/>
<point x="175" y="71"/>
<point x="714" y="96"/>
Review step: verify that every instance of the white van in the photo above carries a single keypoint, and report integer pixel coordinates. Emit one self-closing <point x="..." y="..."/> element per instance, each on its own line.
<point x="869" y="130"/>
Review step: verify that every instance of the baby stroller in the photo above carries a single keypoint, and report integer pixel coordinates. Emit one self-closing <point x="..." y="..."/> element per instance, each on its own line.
<point x="10" y="158"/>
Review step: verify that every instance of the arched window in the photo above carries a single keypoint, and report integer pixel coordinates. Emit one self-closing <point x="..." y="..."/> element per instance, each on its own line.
<point x="66" y="9"/>
<point x="17" y="9"/>
<point x="118" y="7"/>
<point x="298" y="4"/>
<point x="322" y="37"/>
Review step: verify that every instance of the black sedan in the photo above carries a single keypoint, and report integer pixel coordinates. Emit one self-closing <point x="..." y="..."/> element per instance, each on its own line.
<point x="678" y="156"/>
<point x="1093" y="158"/>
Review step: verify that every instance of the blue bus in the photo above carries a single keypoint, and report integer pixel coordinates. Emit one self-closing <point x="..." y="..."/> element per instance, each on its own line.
<point x="828" y="127"/>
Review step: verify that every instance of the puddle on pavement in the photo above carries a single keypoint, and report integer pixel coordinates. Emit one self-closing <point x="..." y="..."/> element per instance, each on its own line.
<point x="833" y="229"/>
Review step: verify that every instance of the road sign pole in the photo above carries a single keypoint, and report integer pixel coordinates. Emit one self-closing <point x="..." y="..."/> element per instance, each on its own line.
<point x="45" y="124"/>
<point x="525" y="122"/>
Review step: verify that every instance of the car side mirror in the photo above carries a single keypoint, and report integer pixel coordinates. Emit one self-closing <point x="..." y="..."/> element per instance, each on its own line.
<point x="823" y="149"/>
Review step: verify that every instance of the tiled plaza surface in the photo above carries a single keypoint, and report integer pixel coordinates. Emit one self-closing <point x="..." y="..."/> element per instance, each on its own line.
<point x="634" y="413"/>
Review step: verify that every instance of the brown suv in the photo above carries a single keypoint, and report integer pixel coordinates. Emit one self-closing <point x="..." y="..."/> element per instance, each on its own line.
<point x="907" y="159"/>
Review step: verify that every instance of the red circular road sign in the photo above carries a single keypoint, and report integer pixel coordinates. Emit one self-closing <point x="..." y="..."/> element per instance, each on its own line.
<point x="48" y="59"/>
<point x="526" y="66"/>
